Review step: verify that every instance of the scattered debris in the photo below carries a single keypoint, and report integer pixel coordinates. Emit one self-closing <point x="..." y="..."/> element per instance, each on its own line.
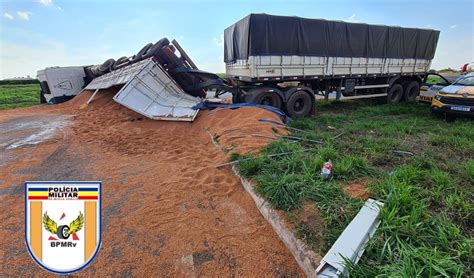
<point x="214" y="140"/>
<point x="235" y="136"/>
<point x="339" y="135"/>
<point x="301" y="139"/>
<point x="264" y="136"/>
<point x="326" y="171"/>
<point x="92" y="97"/>
<point x="403" y="153"/>
<point x="289" y="137"/>
<point x="351" y="243"/>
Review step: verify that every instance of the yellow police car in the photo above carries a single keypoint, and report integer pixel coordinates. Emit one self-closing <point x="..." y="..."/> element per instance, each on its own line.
<point x="431" y="85"/>
<point x="457" y="98"/>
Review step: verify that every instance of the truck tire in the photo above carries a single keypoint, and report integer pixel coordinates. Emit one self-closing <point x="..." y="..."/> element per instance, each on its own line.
<point x="299" y="104"/>
<point x="142" y="52"/>
<point x="395" y="93"/>
<point x="62" y="232"/>
<point x="410" y="91"/>
<point x="153" y="51"/>
<point x="106" y="66"/>
<point x="265" y="98"/>
<point x="95" y="70"/>
<point x="121" y="62"/>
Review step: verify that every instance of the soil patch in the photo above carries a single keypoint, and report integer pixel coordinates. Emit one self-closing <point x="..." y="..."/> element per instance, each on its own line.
<point x="357" y="190"/>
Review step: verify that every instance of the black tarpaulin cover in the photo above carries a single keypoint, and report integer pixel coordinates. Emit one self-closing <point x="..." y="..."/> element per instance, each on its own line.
<point x="262" y="34"/>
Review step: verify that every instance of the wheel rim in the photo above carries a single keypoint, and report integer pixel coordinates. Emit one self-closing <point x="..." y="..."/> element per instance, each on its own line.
<point x="299" y="105"/>
<point x="393" y="97"/>
<point x="412" y="93"/>
<point x="267" y="101"/>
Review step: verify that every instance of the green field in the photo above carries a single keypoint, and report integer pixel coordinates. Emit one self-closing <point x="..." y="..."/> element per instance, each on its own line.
<point x="13" y="96"/>
<point x="427" y="220"/>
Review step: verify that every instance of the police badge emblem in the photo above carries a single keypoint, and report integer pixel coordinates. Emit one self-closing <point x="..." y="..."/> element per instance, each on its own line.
<point x="63" y="223"/>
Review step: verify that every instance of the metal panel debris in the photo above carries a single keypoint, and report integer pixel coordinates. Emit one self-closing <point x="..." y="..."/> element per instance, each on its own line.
<point x="351" y="243"/>
<point x="154" y="94"/>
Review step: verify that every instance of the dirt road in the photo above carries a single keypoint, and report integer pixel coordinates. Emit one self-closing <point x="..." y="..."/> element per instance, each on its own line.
<point x="166" y="209"/>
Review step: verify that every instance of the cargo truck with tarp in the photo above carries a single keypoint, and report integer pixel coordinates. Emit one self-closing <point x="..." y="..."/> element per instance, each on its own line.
<point x="284" y="61"/>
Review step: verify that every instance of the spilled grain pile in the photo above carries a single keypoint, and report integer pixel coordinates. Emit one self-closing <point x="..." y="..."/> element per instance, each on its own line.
<point x="166" y="208"/>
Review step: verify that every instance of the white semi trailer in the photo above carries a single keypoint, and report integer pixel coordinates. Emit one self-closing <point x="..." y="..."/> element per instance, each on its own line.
<point x="284" y="61"/>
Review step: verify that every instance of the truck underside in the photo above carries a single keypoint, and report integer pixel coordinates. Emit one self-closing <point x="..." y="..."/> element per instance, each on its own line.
<point x="297" y="98"/>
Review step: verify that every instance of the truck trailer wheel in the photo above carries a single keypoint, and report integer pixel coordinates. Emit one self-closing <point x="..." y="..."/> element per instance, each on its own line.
<point x="411" y="91"/>
<point x="153" y="51"/>
<point x="266" y="98"/>
<point x="142" y="52"/>
<point x="395" y="93"/>
<point x="121" y="62"/>
<point x="299" y="104"/>
<point x="107" y="66"/>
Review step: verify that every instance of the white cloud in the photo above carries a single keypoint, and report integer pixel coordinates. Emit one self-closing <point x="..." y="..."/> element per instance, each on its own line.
<point x="49" y="3"/>
<point x="45" y="2"/>
<point x="352" y="18"/>
<point x="8" y="16"/>
<point x="219" y="41"/>
<point x="453" y="26"/>
<point x="24" y="15"/>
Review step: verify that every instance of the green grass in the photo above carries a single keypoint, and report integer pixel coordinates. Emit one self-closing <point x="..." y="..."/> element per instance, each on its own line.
<point x="13" y="96"/>
<point x="427" y="220"/>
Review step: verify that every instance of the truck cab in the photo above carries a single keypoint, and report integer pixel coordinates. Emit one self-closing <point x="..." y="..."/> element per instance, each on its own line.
<point x="59" y="84"/>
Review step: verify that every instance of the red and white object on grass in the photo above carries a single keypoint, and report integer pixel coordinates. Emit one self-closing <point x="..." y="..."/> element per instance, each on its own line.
<point x="326" y="171"/>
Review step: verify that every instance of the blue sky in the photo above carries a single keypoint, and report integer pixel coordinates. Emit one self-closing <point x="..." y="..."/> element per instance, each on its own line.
<point x="40" y="33"/>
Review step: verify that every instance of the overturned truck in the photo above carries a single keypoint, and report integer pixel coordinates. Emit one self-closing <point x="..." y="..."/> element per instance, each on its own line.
<point x="279" y="61"/>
